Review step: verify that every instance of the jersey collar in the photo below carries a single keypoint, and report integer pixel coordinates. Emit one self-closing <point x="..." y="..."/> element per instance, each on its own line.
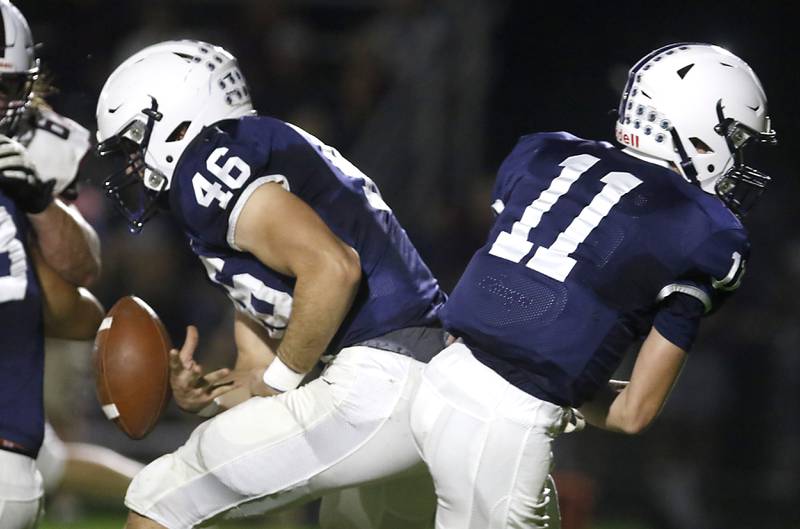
<point x="646" y="158"/>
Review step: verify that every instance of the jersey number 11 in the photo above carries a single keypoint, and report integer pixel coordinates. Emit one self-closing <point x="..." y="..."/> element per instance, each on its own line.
<point x="555" y="261"/>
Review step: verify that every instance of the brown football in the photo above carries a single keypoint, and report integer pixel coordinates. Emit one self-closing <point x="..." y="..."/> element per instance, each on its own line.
<point x="131" y="362"/>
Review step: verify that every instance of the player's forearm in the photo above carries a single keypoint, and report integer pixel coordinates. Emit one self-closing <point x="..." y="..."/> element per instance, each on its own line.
<point x="322" y="299"/>
<point x="255" y="348"/>
<point x="67" y="243"/>
<point x="77" y="321"/>
<point x="598" y="412"/>
<point x="622" y="412"/>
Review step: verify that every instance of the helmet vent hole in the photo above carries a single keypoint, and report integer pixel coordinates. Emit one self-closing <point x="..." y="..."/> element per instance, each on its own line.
<point x="683" y="71"/>
<point x="185" y="56"/>
<point x="710" y="168"/>
<point x="179" y="132"/>
<point x="646" y="95"/>
<point x="700" y="146"/>
<point x="726" y="64"/>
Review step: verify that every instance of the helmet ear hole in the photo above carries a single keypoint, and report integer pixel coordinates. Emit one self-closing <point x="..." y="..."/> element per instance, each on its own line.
<point x="179" y="132"/>
<point x="700" y="146"/>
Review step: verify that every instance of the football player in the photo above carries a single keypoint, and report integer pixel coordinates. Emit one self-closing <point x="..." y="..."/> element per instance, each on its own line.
<point x="594" y="247"/>
<point x="40" y="162"/>
<point x="317" y="267"/>
<point x="46" y="252"/>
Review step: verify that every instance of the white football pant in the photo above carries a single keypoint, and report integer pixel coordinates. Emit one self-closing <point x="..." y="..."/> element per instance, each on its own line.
<point x="52" y="459"/>
<point x="347" y="428"/>
<point x="486" y="443"/>
<point x="403" y="503"/>
<point x="21" y="491"/>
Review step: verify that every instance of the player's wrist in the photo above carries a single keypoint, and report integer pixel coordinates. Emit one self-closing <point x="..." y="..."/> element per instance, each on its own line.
<point x="213" y="408"/>
<point x="281" y="377"/>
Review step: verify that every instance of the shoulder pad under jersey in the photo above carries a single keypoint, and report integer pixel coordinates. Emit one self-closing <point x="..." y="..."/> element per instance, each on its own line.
<point x="56" y="145"/>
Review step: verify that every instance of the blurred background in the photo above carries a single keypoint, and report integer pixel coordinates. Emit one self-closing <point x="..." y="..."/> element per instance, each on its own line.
<point x="427" y="97"/>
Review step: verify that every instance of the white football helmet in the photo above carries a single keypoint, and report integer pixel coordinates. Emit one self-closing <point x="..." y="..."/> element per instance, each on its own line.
<point x="154" y="104"/>
<point x="19" y="68"/>
<point x="696" y="106"/>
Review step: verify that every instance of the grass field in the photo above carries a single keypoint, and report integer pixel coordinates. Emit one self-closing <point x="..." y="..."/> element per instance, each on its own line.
<point x="111" y="518"/>
<point x="116" y="521"/>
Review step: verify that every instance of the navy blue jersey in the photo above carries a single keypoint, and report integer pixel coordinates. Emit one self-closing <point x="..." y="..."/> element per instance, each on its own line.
<point x="227" y="162"/>
<point x="21" y="334"/>
<point x="591" y="247"/>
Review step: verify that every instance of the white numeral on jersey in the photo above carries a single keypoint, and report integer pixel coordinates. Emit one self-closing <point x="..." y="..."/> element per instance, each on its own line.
<point x="735" y="274"/>
<point x="245" y="288"/>
<point x="14" y="285"/>
<point x="370" y="188"/>
<point x="555" y="261"/>
<point x="234" y="173"/>
<point x="225" y="172"/>
<point x="515" y="245"/>
<point x="205" y="192"/>
<point x="371" y="192"/>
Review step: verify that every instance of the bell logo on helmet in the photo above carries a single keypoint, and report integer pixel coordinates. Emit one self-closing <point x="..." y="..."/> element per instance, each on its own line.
<point x="627" y="138"/>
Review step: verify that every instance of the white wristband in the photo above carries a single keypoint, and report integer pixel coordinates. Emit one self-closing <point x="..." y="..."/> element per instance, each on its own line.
<point x="280" y="377"/>
<point x="212" y="409"/>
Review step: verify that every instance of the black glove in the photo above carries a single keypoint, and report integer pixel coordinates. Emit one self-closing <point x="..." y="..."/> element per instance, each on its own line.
<point x="19" y="180"/>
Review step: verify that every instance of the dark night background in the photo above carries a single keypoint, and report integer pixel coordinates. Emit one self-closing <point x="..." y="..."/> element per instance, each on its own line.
<point x="427" y="97"/>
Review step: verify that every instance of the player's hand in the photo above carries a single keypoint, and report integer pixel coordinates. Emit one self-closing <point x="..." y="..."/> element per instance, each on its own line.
<point x="194" y="390"/>
<point x="573" y="421"/>
<point x="252" y="379"/>
<point x="19" y="179"/>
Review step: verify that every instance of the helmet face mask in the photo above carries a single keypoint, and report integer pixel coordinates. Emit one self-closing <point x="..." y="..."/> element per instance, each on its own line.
<point x="136" y="187"/>
<point x="152" y="107"/>
<point x="741" y="186"/>
<point x="697" y="106"/>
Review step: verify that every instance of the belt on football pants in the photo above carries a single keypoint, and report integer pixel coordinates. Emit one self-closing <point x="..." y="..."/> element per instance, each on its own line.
<point x="11" y="446"/>
<point x="420" y="343"/>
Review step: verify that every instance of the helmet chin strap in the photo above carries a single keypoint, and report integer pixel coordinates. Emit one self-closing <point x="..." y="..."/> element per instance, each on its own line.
<point x="153" y="115"/>
<point x="687" y="165"/>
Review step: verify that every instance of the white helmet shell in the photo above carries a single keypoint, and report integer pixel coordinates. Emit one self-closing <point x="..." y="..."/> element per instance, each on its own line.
<point x="675" y="100"/>
<point x="164" y="95"/>
<point x="17" y="54"/>
<point x="19" y="67"/>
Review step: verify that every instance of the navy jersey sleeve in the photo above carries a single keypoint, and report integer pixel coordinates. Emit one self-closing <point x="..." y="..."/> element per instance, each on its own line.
<point x="512" y="170"/>
<point x="718" y="265"/>
<point x="222" y="171"/>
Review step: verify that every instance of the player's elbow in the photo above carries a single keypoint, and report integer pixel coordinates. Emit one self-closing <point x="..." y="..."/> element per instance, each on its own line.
<point x="638" y="419"/>
<point x="345" y="269"/>
<point x="634" y="427"/>
<point x="90" y="275"/>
